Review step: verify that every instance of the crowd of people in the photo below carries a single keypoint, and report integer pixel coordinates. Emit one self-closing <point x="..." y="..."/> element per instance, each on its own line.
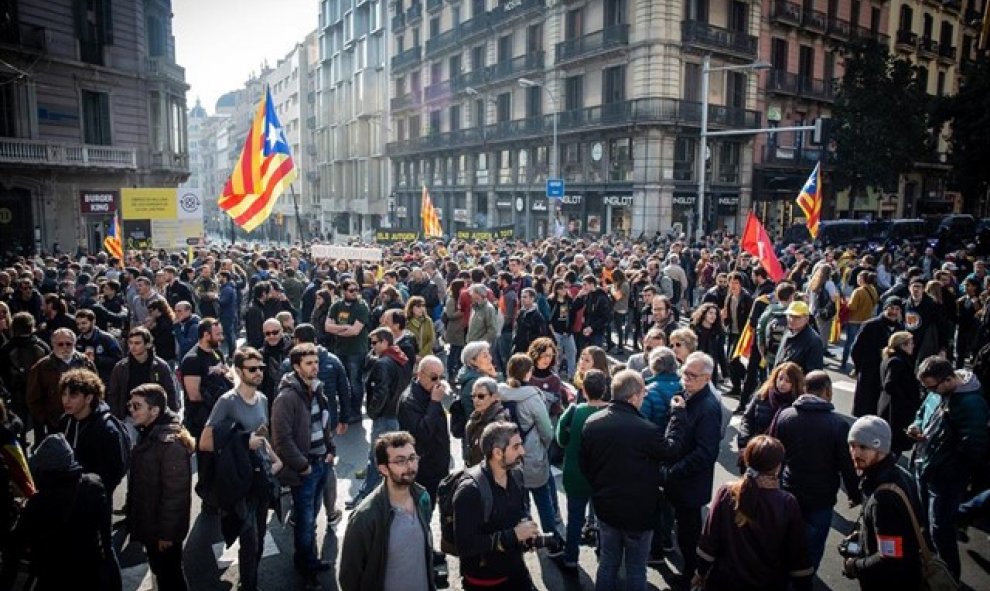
<point x="230" y="373"/>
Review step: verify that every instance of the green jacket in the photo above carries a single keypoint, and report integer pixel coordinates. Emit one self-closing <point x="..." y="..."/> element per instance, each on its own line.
<point x="955" y="429"/>
<point x="569" y="429"/>
<point x="364" y="552"/>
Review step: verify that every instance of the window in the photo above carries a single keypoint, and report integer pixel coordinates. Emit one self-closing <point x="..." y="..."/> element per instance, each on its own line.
<point x="620" y="159"/>
<point x="414" y="127"/>
<point x="534" y="101"/>
<point x="478" y="58"/>
<point x="923" y="78"/>
<point x="945" y="35"/>
<point x="940" y="84"/>
<point x="434" y="123"/>
<point x="96" y="117"/>
<point x="614" y="85"/>
<point x="534" y="39"/>
<point x="692" y="82"/>
<point x="156" y="36"/>
<point x="929" y="25"/>
<point x="615" y="13"/>
<point x="806" y="62"/>
<point x="739" y="16"/>
<point x="685" y="151"/>
<point x="434" y="27"/>
<point x="94" y="28"/>
<point x="574" y="25"/>
<point x="503" y="107"/>
<point x="455" y="117"/>
<point x="778" y="54"/>
<point x="479" y="112"/>
<point x="454" y="66"/>
<point x="435" y="72"/>
<point x="13" y="118"/>
<point x="735" y="93"/>
<point x="573" y="93"/>
<point x="504" y="49"/>
<point x="697" y="10"/>
<point x="728" y="163"/>
<point x="477" y="8"/>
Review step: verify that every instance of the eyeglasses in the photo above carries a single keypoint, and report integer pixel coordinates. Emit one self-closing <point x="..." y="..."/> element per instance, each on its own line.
<point x="481" y="396"/>
<point x="690" y="375"/>
<point x="65" y="344"/>
<point x="434" y="377"/>
<point x="402" y="461"/>
<point x="272" y="333"/>
<point x="253" y="368"/>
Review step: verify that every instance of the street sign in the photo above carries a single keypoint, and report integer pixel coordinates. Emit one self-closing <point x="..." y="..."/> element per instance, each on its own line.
<point x="555" y="188"/>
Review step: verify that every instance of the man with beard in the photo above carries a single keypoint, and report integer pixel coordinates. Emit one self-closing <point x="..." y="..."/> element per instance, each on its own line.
<point x="275" y="351"/>
<point x="923" y="319"/>
<point x="597" y="307"/>
<point x="176" y="290"/>
<point x="43" y="399"/>
<point x="347" y="321"/>
<point x="144" y="294"/>
<point x="185" y="327"/>
<point x="205" y="376"/>
<point x="867" y="352"/>
<point x="491" y="544"/>
<point x="256" y="314"/>
<point x="735" y="314"/>
<point x="717" y="293"/>
<point x="387" y="543"/>
<point x="101" y="348"/>
<point x="141" y="366"/>
<point x="54" y="315"/>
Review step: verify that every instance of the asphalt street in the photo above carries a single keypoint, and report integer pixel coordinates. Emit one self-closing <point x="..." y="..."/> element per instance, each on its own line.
<point x="210" y="566"/>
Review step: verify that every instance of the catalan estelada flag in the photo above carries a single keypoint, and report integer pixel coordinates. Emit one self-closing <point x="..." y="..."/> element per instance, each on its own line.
<point x="835" y="330"/>
<point x="431" y="220"/>
<point x="744" y="346"/>
<point x="810" y="200"/>
<point x="12" y="455"/>
<point x="262" y="172"/>
<point x="114" y="242"/>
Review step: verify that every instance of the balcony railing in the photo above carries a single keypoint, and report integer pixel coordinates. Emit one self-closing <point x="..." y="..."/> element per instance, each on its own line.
<point x="791" y="155"/>
<point x="946" y="52"/>
<point x="457" y="36"/>
<point x="27" y="152"/>
<point x="814" y="20"/>
<point x="414" y="13"/>
<point x="438" y="90"/>
<point x="710" y="37"/>
<point x="796" y="85"/>
<point x="864" y="34"/>
<point x="433" y="5"/>
<point x="598" y="42"/>
<point x="407" y="58"/>
<point x="657" y="111"/>
<point x="509" y="11"/>
<point x="398" y="22"/>
<point x="516" y="67"/>
<point x="928" y="46"/>
<point x="838" y="28"/>
<point x="952" y="5"/>
<point x="972" y="17"/>
<point x="403" y="102"/>
<point x="22" y="36"/>
<point x="906" y="40"/>
<point x="787" y="13"/>
<point x="170" y="161"/>
<point x="162" y="67"/>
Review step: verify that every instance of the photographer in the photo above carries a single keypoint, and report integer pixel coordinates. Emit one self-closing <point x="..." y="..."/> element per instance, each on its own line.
<point x="491" y="549"/>
<point x="883" y="553"/>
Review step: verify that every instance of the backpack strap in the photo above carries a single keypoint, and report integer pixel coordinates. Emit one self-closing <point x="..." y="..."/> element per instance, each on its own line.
<point x="926" y="553"/>
<point x="484" y="487"/>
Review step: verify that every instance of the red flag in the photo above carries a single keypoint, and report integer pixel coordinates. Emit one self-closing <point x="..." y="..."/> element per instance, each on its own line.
<point x="756" y="242"/>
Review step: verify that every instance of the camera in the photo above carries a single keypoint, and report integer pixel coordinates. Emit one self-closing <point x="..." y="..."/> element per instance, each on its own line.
<point x="552" y="542"/>
<point x="850" y="548"/>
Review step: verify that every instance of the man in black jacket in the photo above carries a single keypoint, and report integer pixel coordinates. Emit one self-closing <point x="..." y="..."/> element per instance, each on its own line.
<point x="625" y="478"/>
<point x="256" y="315"/>
<point x="814" y="437"/>
<point x="386" y="375"/>
<point x="867" y="352"/>
<point x="422" y="415"/>
<point x="101" y="348"/>
<point x="597" y="307"/>
<point x="531" y="324"/>
<point x="801" y="343"/>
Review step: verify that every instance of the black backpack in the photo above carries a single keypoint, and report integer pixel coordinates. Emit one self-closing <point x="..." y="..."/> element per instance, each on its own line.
<point x="775" y="330"/>
<point x="445" y="501"/>
<point x="824" y="304"/>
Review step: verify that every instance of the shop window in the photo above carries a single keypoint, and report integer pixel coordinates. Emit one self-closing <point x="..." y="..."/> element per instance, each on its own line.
<point x="620" y="160"/>
<point x="685" y="152"/>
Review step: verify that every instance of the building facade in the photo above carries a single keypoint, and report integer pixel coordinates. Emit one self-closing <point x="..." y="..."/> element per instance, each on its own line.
<point x="92" y="101"/>
<point x="477" y="84"/>
<point x="352" y="117"/>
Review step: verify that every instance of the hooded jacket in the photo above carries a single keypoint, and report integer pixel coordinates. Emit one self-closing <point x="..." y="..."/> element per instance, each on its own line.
<point x="159" y="372"/>
<point x="817" y="453"/>
<point x="291" y="426"/>
<point x="385" y="379"/>
<point x="44" y="401"/>
<point x="98" y="442"/>
<point x="159" y="487"/>
<point x="536" y="428"/>
<point x="955" y="430"/>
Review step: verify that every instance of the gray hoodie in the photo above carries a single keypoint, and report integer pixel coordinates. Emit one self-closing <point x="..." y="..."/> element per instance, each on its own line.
<point x="534" y="421"/>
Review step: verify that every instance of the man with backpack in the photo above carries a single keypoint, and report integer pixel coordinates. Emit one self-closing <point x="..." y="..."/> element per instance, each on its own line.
<point x="772" y="324"/>
<point x="387" y="543"/>
<point x="17" y="357"/>
<point x="483" y="515"/>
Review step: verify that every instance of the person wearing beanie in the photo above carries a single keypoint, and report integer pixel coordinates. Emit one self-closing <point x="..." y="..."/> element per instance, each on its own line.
<point x="952" y="424"/>
<point x="867" y="351"/>
<point x="65" y="526"/>
<point x="883" y="553"/>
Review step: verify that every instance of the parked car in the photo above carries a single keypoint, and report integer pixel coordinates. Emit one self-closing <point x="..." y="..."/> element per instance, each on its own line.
<point x="830" y="233"/>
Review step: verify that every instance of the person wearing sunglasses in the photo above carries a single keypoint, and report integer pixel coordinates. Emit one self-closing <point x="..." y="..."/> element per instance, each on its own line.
<point x="43" y="398"/>
<point x="347" y="321"/>
<point x="421" y="413"/>
<point x="487" y="409"/>
<point x="26" y="299"/>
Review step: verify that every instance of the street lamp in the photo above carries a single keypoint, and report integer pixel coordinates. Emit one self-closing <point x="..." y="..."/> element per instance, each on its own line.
<point x="555" y="158"/>
<point x="706" y="70"/>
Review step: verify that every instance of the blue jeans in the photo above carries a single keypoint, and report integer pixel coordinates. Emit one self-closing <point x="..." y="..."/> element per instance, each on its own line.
<point x="542" y="498"/>
<point x="372" y="477"/>
<point x="567" y="353"/>
<point x="613" y="544"/>
<point x="229" y="337"/>
<point x="576" y="507"/>
<point x="817" y="523"/>
<point x="851" y="331"/>
<point x="503" y="350"/>
<point x="454" y="362"/>
<point x="942" y="497"/>
<point x="355" y="372"/>
<point x="306" y="501"/>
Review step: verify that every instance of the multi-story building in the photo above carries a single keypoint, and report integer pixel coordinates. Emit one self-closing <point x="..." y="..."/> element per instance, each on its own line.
<point x="198" y="121"/>
<point x="92" y="101"/>
<point x="476" y="86"/>
<point x="802" y="42"/>
<point x="352" y="116"/>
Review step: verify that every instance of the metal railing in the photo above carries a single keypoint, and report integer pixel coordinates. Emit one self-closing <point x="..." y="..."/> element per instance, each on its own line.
<point x="18" y="151"/>
<point x="838" y="28"/>
<point x="712" y="37"/>
<point x="946" y="52"/>
<point x="163" y="67"/>
<point x="796" y="85"/>
<point x="906" y="38"/>
<point x="169" y="161"/>
<point x="929" y="46"/>
<point x="814" y="20"/>
<point x="791" y="155"/>
<point x="407" y="58"/>
<point x="432" y="5"/>
<point x="598" y="42"/>
<point x="398" y="22"/>
<point x="786" y="12"/>
<point x="414" y="13"/>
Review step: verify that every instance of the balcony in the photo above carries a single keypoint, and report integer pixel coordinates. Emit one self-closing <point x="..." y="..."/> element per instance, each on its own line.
<point x="53" y="154"/>
<point x="785" y="13"/>
<point x="438" y="91"/>
<point x="164" y="69"/>
<point x="788" y="83"/>
<point x="791" y="156"/>
<point x="404" y="102"/>
<point x="457" y="36"/>
<point x="398" y="22"/>
<point x="406" y="59"/>
<point x="169" y="161"/>
<point x="972" y="17"/>
<point x="927" y="47"/>
<point x="597" y="43"/>
<point x="32" y="38"/>
<point x="707" y="37"/>
<point x="864" y="34"/>
<point x="433" y="5"/>
<point x="510" y="11"/>
<point x="474" y="79"/>
<point x="655" y="111"/>
<point x="952" y="5"/>
<point x="515" y="68"/>
<point x="906" y="40"/>
<point x="838" y="29"/>
<point x="946" y="53"/>
<point x="814" y="20"/>
<point x="414" y="13"/>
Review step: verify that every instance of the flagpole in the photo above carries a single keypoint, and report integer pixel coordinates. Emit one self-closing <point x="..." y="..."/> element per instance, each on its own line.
<point x="295" y="206"/>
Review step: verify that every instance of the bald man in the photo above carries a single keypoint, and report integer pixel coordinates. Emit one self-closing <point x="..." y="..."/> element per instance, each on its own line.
<point x="421" y="414"/>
